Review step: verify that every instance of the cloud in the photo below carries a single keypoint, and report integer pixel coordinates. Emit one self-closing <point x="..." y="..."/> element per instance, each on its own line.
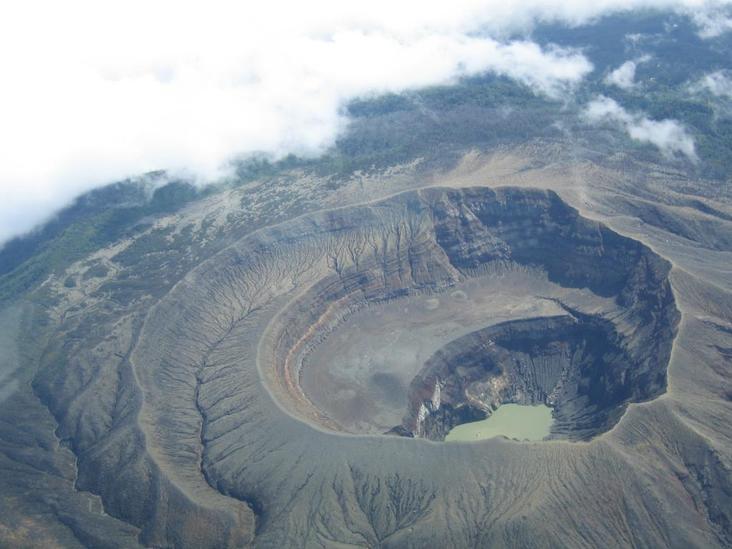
<point x="718" y="83"/>
<point x="94" y="92"/>
<point x="624" y="76"/>
<point x="669" y="136"/>
<point x="712" y="21"/>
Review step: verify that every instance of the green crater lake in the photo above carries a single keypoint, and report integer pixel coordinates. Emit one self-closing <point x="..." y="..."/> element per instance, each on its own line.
<point x="509" y="420"/>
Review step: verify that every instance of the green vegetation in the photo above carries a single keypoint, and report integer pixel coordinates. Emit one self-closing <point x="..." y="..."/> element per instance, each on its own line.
<point x="94" y="220"/>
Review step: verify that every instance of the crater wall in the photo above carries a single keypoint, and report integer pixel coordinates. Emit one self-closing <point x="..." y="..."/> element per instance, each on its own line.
<point x="587" y="364"/>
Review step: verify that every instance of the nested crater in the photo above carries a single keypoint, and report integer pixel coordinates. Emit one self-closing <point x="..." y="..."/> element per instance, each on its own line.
<point x="440" y="305"/>
<point x="578" y="364"/>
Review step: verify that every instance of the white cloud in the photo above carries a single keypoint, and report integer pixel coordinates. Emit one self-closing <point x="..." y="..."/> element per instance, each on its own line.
<point x="719" y="83"/>
<point x="712" y="21"/>
<point x="669" y="136"/>
<point x="624" y="76"/>
<point x="95" y="91"/>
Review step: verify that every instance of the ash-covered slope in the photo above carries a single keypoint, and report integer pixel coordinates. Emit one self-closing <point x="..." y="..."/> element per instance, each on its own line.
<point x="187" y="417"/>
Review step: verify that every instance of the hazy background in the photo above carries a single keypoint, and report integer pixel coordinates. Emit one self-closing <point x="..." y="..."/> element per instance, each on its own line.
<point x="93" y="92"/>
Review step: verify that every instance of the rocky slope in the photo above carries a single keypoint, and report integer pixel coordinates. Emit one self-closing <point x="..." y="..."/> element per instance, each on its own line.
<point x="158" y="401"/>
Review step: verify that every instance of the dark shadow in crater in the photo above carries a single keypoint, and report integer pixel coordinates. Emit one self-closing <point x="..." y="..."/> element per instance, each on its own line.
<point x="578" y="364"/>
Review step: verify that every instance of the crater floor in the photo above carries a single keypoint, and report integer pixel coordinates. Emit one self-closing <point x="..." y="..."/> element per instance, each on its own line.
<point x="359" y="376"/>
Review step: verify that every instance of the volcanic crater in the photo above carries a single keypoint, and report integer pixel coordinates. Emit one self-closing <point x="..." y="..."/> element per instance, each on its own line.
<point x="432" y="308"/>
<point x="316" y="360"/>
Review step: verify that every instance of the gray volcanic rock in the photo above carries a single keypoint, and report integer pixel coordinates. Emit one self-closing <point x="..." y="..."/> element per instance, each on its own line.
<point x="579" y="365"/>
<point x="183" y="412"/>
<point x="178" y="409"/>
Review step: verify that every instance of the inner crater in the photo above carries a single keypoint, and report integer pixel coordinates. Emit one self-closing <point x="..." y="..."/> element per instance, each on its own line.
<point x="451" y="303"/>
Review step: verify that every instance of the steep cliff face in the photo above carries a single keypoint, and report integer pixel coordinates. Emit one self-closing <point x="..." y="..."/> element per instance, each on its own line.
<point x="579" y="365"/>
